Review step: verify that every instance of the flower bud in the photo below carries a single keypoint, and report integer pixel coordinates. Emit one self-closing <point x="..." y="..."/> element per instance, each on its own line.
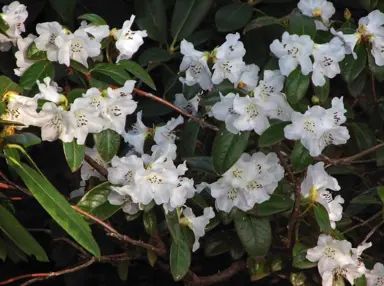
<point x="347" y="14"/>
<point x="315" y="100"/>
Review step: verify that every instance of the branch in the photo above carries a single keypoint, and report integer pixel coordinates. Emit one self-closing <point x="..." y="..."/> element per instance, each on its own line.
<point x="202" y="122"/>
<point x="363" y="222"/>
<point x="284" y="163"/>
<point x="218" y="277"/>
<point x="16" y="187"/>
<point x="96" y="166"/>
<point x="114" y="233"/>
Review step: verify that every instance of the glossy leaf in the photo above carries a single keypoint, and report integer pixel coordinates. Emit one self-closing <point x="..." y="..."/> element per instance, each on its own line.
<point x="7" y="84"/>
<point x="299" y="257"/>
<point x="25" y="139"/>
<point x="369" y="5"/>
<point x="138" y="72"/>
<point x="150" y="221"/>
<point x="322" y="218"/>
<point x="154" y="55"/>
<point x="273" y="135"/>
<point x="217" y="244"/>
<point x="276" y="204"/>
<point x="227" y="149"/>
<point x="364" y="135"/>
<point x="65" y="9"/>
<point x="351" y="68"/>
<point x="12" y="228"/>
<point x="261" y="22"/>
<point x="94" y="19"/>
<point x="300" y="24"/>
<point x="296" y="86"/>
<point x="180" y="258"/>
<point x="75" y="93"/>
<point x="173" y="225"/>
<point x="188" y="139"/>
<point x="115" y="72"/>
<point x="322" y="92"/>
<point x="33" y="53"/>
<point x="233" y="17"/>
<point x="37" y="71"/>
<point x="301" y="158"/>
<point x="74" y="154"/>
<point x="107" y="144"/>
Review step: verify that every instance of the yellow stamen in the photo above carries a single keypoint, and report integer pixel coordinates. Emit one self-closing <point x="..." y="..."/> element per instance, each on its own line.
<point x="317" y="12"/>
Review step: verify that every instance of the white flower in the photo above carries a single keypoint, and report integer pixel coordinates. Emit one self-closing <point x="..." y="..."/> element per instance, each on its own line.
<point x="98" y="32"/>
<point x="14" y="13"/>
<point x="77" y="46"/>
<point x="317" y="8"/>
<point x="49" y="91"/>
<point x="198" y="224"/>
<point x="48" y="32"/>
<point x="185" y="190"/>
<point x="375" y="277"/>
<point x="372" y="25"/>
<point x="21" y="109"/>
<point x="224" y="111"/>
<point x="249" y="77"/>
<point x="86" y="170"/>
<point x="136" y="137"/>
<point x="251" y="114"/>
<point x="165" y="132"/>
<point x="378" y="50"/>
<point x="229" y="60"/>
<point x="123" y="169"/>
<point x="195" y="65"/>
<point x="349" y="41"/>
<point x="330" y="254"/>
<point x="118" y="197"/>
<point x="292" y="51"/>
<point x="191" y="106"/>
<point x="128" y="41"/>
<point x="327" y="58"/>
<point x="22" y="62"/>
<point x="279" y="107"/>
<point x="271" y="84"/>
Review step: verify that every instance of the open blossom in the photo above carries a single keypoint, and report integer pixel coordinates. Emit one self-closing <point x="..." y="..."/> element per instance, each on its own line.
<point x="98" y="32"/>
<point x="21" y="109"/>
<point x="78" y="47"/>
<point x="229" y="62"/>
<point x="271" y="84"/>
<point x="14" y="15"/>
<point x="46" y="41"/>
<point x="117" y="198"/>
<point x="349" y="41"/>
<point x="292" y="51"/>
<point x="243" y="187"/>
<point x="128" y="41"/>
<point x="195" y="66"/>
<point x="122" y="171"/>
<point x="319" y="127"/>
<point x="223" y="111"/>
<point x="136" y="137"/>
<point x="327" y="58"/>
<point x="198" y="224"/>
<point x="191" y="106"/>
<point x="249" y="77"/>
<point x="375" y="277"/>
<point x="317" y="8"/>
<point x="22" y="62"/>
<point x="49" y="90"/>
<point x="372" y="25"/>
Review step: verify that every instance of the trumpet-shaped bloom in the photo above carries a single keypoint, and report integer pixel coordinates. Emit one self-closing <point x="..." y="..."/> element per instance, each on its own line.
<point x="46" y="41"/>
<point x="136" y="137"/>
<point x="375" y="277"/>
<point x="317" y="8"/>
<point x="98" y="32"/>
<point x="224" y="111"/>
<point x="191" y="106"/>
<point x="22" y="62"/>
<point x="49" y="90"/>
<point x="249" y="77"/>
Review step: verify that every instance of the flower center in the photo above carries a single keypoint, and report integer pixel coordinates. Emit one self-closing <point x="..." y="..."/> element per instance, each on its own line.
<point x="254" y="186"/>
<point x="252" y="111"/>
<point x="329" y="252"/>
<point x="76" y="46"/>
<point x="81" y="119"/>
<point x="317" y="12"/>
<point x="238" y="173"/>
<point x="196" y="70"/>
<point x="313" y="194"/>
<point x="232" y="193"/>
<point x="327" y="61"/>
<point x="129" y="176"/>
<point x="380" y="281"/>
<point x="309" y="126"/>
<point x="154" y="179"/>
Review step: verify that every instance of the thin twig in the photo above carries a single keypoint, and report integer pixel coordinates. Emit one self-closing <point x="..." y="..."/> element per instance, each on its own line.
<point x="373" y="88"/>
<point x="371" y="232"/>
<point x="285" y="164"/>
<point x="364" y="222"/>
<point x="73" y="244"/>
<point x="27" y="192"/>
<point x="96" y="166"/>
<point x="202" y="122"/>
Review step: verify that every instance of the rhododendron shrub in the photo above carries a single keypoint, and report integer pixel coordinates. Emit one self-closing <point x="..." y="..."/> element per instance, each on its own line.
<point x="204" y="138"/>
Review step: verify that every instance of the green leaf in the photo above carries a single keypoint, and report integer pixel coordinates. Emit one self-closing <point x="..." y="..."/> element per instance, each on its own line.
<point x="296" y="86"/>
<point x="57" y="207"/>
<point x="3" y="250"/>
<point x="276" y="204"/>
<point x="200" y="37"/>
<point x="188" y="139"/>
<point x="356" y="87"/>
<point x="154" y="55"/>
<point x="217" y="244"/>
<point x="122" y="269"/>
<point x="26" y="139"/>
<point x="254" y="233"/>
<point x="369" y="5"/>
<point x="152" y="18"/>
<point x="107" y="144"/>
<point x="33" y="53"/>
<point x="20" y="236"/>
<point x="364" y="135"/>
<point x="65" y="9"/>
<point x="96" y="202"/>
<point x="378" y="71"/>
<point x="115" y="72"/>
<point x="261" y="22"/>
<point x="172" y="220"/>
<point x="200" y="163"/>
<point x="361" y="281"/>
<point x="233" y="17"/>
<point x="322" y="218"/>
<point x="94" y="19"/>
<point x="273" y="135"/>
<point x="187" y="15"/>
<point x="299" y="257"/>
<point x="138" y="72"/>
<point x="322" y="92"/>
<point x="180" y="259"/>
<point x="227" y="149"/>
<point x="7" y="84"/>
<point x="150" y="221"/>
<point x="3" y="25"/>
<point x="351" y="68"/>
<point x="300" y="157"/>
<point x="74" y="153"/>
<point x="300" y="24"/>
<point x="37" y="71"/>
<point x="75" y="93"/>
<point x="380" y="192"/>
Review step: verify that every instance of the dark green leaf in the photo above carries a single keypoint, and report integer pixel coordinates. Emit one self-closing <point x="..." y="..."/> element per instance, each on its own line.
<point x="200" y="163"/>
<point x="188" y="139"/>
<point x="299" y="257"/>
<point x="12" y="228"/>
<point x="276" y="204"/>
<point x="57" y="206"/>
<point x="37" y="71"/>
<point x="3" y="25"/>
<point x="96" y="202"/>
<point x="380" y="192"/>
<point x="94" y="19"/>
<point x="261" y="22"/>
<point x="150" y="221"/>
<point x="216" y="244"/>
<point x="115" y="72"/>
<point x="322" y="92"/>
<point x="8" y="85"/>
<point x="172" y="220"/>
<point x="154" y="55"/>
<point x="152" y="18"/>
<point x="351" y="68"/>
<point x="200" y="37"/>
<point x="3" y="250"/>
<point x="33" y="53"/>
<point x="322" y="218"/>
<point x="378" y="71"/>
<point x="233" y="17"/>
<point x="74" y="154"/>
<point x="187" y="16"/>
<point x="227" y="149"/>
<point x="75" y="93"/>
<point x="300" y="157"/>
<point x="274" y="134"/>
<point x="380" y="157"/>
<point x="65" y="9"/>
<point x="300" y="24"/>
<point x="25" y="139"/>
<point x="356" y="87"/>
<point x="361" y="281"/>
<point x="138" y="72"/>
<point x="254" y="233"/>
<point x="296" y="86"/>
<point x="369" y="5"/>
<point x="180" y="258"/>
<point x="107" y="144"/>
<point x="364" y="135"/>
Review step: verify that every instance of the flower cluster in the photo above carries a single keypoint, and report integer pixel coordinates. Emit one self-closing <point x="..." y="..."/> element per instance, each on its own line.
<point x="243" y="185"/>
<point x="320" y="9"/>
